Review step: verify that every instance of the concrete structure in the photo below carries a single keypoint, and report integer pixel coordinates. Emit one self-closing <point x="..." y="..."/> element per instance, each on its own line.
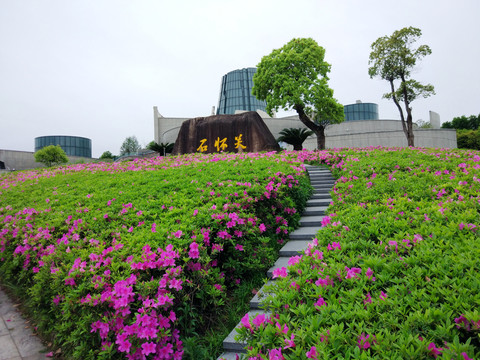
<point x="23" y="160"/>
<point x="358" y="133"/>
<point x="236" y="93"/>
<point x="72" y="145"/>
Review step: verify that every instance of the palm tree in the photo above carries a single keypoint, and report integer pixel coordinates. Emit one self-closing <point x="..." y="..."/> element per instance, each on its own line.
<point x="161" y="148"/>
<point x="295" y="137"/>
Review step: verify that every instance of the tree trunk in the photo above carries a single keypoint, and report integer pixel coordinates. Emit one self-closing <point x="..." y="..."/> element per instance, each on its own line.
<point x="318" y="129"/>
<point x="320" y="139"/>
<point x="410" y="137"/>
<point x="400" y="110"/>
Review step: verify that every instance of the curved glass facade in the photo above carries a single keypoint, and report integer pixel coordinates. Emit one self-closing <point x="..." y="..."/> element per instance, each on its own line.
<point x="72" y="145"/>
<point x="236" y="92"/>
<point x="361" y="111"/>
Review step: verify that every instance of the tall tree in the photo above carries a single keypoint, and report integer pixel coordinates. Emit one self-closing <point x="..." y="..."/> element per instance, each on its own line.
<point x="295" y="137"/>
<point x="392" y="59"/>
<point x="295" y="77"/>
<point x="130" y="146"/>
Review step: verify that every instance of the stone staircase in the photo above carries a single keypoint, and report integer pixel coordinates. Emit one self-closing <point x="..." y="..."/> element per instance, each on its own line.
<point x="310" y="222"/>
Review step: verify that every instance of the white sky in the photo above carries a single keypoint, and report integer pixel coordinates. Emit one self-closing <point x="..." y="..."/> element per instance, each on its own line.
<point x="96" y="68"/>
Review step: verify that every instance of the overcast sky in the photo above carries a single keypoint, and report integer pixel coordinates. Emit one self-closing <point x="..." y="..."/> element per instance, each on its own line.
<point x="96" y="68"/>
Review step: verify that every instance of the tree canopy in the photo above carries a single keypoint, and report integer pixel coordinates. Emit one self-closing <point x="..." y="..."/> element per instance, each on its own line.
<point x="130" y="146"/>
<point x="463" y="123"/>
<point x="51" y="155"/>
<point x="393" y="58"/>
<point x="106" y="155"/>
<point x="295" y="77"/>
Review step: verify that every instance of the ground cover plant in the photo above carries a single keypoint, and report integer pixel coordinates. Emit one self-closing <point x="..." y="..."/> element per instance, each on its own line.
<point x="126" y="260"/>
<point x="393" y="273"/>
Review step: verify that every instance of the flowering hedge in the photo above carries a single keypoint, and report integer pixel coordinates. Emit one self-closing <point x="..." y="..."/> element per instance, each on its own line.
<point x="121" y="260"/>
<point x="393" y="273"/>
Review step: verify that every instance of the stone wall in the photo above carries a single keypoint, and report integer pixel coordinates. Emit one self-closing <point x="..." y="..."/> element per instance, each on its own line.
<point x="25" y="160"/>
<point x="360" y="133"/>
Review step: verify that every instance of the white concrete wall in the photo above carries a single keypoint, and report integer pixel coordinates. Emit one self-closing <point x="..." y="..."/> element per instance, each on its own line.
<point x="24" y="160"/>
<point x="361" y="133"/>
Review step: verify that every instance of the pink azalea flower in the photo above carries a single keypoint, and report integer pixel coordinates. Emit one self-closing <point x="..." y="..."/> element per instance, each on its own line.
<point x="239" y="247"/>
<point x="383" y="296"/>
<point x="312" y="353"/>
<point x="194" y="253"/>
<point x="434" y="350"/>
<point x="369" y="274"/>
<point x="262" y="228"/>
<point x="148" y="348"/>
<point x="275" y="354"/>
<point x="465" y="356"/>
<point x="368" y="299"/>
<point x="294" y="260"/>
<point x="280" y="272"/>
<point x="246" y="322"/>
<point x="363" y="342"/>
<point x="326" y="220"/>
<point x="259" y="320"/>
<point x="319" y="303"/>
<point x="290" y="343"/>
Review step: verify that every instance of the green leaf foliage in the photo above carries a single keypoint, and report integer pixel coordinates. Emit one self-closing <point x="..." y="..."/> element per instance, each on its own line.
<point x="294" y="137"/>
<point x="51" y="155"/>
<point x="392" y="274"/>
<point x="295" y="77"/>
<point x="115" y="258"/>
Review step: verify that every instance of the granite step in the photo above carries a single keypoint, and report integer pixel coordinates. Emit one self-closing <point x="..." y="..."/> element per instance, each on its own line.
<point x="319" y="202"/>
<point x="310" y="223"/>
<point x="314" y="210"/>
<point x="294" y="247"/>
<point x="304" y="233"/>
<point x="281" y="262"/>
<point x="320" y="195"/>
<point x="257" y="299"/>
<point x="229" y="344"/>
<point x="315" y="220"/>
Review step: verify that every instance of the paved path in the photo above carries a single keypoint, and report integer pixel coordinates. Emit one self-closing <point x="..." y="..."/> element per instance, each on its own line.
<point x="17" y="341"/>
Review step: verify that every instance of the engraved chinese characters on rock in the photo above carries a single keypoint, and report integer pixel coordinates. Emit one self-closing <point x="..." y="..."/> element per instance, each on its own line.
<point x="225" y="133"/>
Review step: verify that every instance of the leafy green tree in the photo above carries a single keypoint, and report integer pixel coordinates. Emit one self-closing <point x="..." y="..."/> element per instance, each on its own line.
<point x="295" y="137"/>
<point x="106" y="155"/>
<point x="468" y="139"/>
<point x="130" y="146"/>
<point x="162" y="148"/>
<point x="393" y="59"/>
<point x="51" y="155"/>
<point x="424" y="124"/>
<point x="295" y="77"/>
<point x="462" y="122"/>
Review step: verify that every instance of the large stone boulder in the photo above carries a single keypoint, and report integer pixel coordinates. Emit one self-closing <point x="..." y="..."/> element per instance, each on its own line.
<point x="228" y="133"/>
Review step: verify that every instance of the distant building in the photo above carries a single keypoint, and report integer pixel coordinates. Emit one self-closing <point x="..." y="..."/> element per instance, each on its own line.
<point x="361" y="111"/>
<point x="362" y="126"/>
<point x="72" y="145"/>
<point x="236" y="93"/>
